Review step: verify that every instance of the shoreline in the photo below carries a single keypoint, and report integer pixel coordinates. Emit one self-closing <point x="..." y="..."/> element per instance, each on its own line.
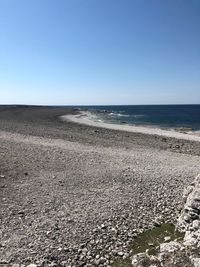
<point x="87" y="118"/>
<point x="73" y="185"/>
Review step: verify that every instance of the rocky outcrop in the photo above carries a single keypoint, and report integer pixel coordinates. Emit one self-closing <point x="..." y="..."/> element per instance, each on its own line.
<point x="186" y="252"/>
<point x="189" y="221"/>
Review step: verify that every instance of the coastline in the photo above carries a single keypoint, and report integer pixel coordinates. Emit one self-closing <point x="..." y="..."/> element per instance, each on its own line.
<point x="89" y="119"/>
<point x="69" y="190"/>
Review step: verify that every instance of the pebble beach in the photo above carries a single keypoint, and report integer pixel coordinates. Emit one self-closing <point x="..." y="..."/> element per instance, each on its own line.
<point x="77" y="194"/>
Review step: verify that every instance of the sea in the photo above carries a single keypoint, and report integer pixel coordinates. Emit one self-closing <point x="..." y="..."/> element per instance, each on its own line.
<point x="163" y="116"/>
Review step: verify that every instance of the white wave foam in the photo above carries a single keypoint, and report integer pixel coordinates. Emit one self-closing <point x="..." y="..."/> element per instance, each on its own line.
<point x="88" y="119"/>
<point x="139" y="116"/>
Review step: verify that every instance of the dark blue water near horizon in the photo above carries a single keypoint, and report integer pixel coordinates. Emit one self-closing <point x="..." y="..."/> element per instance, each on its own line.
<point x="175" y="116"/>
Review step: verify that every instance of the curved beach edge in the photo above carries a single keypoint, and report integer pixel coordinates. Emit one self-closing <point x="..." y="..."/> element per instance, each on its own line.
<point x="87" y="118"/>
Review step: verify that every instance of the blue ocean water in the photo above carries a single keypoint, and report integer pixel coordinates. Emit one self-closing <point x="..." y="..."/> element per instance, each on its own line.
<point x="175" y="116"/>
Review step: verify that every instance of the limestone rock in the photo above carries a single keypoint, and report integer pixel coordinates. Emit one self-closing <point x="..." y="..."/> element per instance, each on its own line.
<point x="196" y="262"/>
<point x="170" y="247"/>
<point x="140" y="259"/>
<point x="189" y="221"/>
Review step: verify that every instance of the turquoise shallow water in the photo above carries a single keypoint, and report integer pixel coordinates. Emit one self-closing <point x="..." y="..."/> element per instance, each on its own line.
<point x="175" y="116"/>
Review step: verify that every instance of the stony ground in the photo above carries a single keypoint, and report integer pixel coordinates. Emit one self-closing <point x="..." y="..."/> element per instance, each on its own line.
<point x="73" y="195"/>
<point x="182" y="249"/>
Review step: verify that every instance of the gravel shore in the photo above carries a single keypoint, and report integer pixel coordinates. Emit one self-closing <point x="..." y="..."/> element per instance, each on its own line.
<point x="90" y="119"/>
<point x="77" y="195"/>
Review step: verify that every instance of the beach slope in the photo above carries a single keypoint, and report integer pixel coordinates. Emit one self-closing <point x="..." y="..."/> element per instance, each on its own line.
<point x="74" y="194"/>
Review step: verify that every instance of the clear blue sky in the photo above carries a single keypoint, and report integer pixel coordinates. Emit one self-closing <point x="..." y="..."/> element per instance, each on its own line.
<point x="99" y="51"/>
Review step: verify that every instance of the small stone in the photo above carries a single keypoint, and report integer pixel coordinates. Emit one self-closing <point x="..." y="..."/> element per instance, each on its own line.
<point x="102" y="260"/>
<point x="103" y="226"/>
<point x="82" y="245"/>
<point x="167" y="238"/>
<point x="52" y="264"/>
<point x="125" y="256"/>
<point x="97" y="262"/>
<point x="21" y="212"/>
<point x="156" y="223"/>
<point x="120" y="253"/>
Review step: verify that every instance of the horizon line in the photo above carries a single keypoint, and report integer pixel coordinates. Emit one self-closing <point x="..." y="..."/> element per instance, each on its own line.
<point x="86" y="105"/>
